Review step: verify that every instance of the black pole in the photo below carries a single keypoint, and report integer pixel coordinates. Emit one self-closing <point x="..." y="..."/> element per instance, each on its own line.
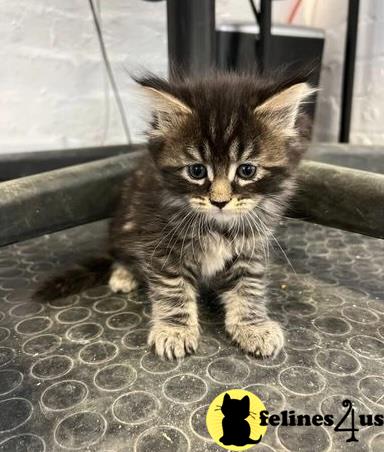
<point x="265" y="33"/>
<point x="191" y="35"/>
<point x="349" y="70"/>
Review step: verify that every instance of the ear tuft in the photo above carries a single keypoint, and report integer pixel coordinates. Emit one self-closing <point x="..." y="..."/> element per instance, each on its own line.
<point x="281" y="109"/>
<point x="166" y="103"/>
<point x="169" y="111"/>
<point x="162" y="94"/>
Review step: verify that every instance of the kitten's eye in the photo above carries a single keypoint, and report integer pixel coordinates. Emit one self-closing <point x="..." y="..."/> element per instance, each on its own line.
<point x="246" y="171"/>
<point x="197" y="171"/>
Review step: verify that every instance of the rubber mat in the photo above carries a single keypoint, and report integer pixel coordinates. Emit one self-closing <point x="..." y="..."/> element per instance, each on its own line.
<point x="76" y="374"/>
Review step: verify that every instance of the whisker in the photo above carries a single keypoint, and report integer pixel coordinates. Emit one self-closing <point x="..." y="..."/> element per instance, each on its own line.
<point x="269" y="232"/>
<point x="253" y="238"/>
<point x="179" y="213"/>
<point x="180" y="228"/>
<point x="264" y="243"/>
<point x="190" y="224"/>
<point x="193" y="242"/>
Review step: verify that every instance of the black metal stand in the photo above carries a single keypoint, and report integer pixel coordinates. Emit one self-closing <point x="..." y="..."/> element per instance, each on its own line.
<point x="349" y="70"/>
<point x="265" y="32"/>
<point x="191" y="35"/>
<point x="191" y="44"/>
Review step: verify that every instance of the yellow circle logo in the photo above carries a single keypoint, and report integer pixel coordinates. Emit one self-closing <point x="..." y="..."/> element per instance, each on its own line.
<point x="233" y="420"/>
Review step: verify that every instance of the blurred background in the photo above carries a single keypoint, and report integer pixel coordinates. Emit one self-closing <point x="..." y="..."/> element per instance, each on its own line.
<point x="56" y="92"/>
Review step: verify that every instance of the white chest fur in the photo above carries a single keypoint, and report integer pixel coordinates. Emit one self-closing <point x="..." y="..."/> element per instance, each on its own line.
<point x="215" y="253"/>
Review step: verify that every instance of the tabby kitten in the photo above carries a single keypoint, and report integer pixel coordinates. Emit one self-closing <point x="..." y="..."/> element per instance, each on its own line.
<point x="200" y="208"/>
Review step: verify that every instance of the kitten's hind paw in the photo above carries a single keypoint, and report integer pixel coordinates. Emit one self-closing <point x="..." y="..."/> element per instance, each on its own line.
<point x="262" y="339"/>
<point x="173" y="342"/>
<point x="122" y="280"/>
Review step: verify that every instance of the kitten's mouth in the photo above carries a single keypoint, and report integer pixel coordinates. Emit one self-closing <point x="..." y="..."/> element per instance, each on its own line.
<point x="230" y="213"/>
<point x="226" y="213"/>
<point x="222" y="215"/>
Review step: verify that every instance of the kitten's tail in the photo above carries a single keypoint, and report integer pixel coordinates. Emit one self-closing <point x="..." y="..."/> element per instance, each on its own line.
<point x="254" y="441"/>
<point x="83" y="276"/>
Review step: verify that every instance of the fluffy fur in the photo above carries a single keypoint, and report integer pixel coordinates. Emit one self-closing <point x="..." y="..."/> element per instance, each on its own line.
<point x="174" y="232"/>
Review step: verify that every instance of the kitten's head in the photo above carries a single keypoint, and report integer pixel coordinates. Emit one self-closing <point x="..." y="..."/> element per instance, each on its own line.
<point x="236" y="408"/>
<point x="227" y="143"/>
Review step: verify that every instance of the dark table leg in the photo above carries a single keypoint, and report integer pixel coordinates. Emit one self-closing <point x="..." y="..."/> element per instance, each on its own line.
<point x="349" y="70"/>
<point x="265" y="33"/>
<point x="191" y="35"/>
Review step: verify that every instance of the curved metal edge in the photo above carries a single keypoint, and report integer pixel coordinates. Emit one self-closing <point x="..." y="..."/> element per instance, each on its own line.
<point x="62" y="198"/>
<point x="330" y="195"/>
<point x="340" y="197"/>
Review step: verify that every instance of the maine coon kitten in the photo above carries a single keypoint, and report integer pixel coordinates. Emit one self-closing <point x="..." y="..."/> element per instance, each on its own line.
<point x="222" y="157"/>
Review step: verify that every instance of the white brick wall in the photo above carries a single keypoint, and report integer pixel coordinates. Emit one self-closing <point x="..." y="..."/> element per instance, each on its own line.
<point x="330" y="15"/>
<point x="368" y="103"/>
<point x="53" y="88"/>
<point x="368" y="112"/>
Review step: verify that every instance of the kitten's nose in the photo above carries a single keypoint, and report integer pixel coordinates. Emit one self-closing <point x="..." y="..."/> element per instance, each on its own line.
<point x="219" y="204"/>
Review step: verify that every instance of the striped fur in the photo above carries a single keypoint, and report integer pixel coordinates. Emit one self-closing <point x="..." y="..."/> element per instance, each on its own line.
<point x="168" y="229"/>
<point x="173" y="232"/>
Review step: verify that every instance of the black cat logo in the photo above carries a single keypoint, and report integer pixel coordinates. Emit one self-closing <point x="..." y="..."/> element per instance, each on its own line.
<point x="236" y="429"/>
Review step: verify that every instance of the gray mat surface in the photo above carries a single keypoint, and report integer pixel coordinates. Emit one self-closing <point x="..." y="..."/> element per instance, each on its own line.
<point x="76" y="374"/>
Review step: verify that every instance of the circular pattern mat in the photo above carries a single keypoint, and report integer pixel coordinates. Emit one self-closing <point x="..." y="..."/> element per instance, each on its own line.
<point x="76" y="373"/>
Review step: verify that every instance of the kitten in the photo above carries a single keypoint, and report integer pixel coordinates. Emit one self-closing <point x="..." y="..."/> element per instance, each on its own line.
<point x="236" y="429"/>
<point x="221" y="166"/>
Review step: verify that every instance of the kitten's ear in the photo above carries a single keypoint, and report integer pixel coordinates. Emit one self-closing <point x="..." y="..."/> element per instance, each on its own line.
<point x="227" y="398"/>
<point x="166" y="103"/>
<point x="245" y="402"/>
<point x="281" y="109"/>
<point x="168" y="110"/>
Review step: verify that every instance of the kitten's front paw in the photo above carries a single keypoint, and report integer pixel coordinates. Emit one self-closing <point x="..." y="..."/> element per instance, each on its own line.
<point x="173" y="341"/>
<point x="122" y="280"/>
<point x="262" y="339"/>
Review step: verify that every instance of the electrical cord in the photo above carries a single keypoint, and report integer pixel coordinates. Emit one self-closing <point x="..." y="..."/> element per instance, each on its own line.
<point x="293" y="12"/>
<point x="256" y="13"/>
<point x="109" y="70"/>
<point x="106" y="83"/>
